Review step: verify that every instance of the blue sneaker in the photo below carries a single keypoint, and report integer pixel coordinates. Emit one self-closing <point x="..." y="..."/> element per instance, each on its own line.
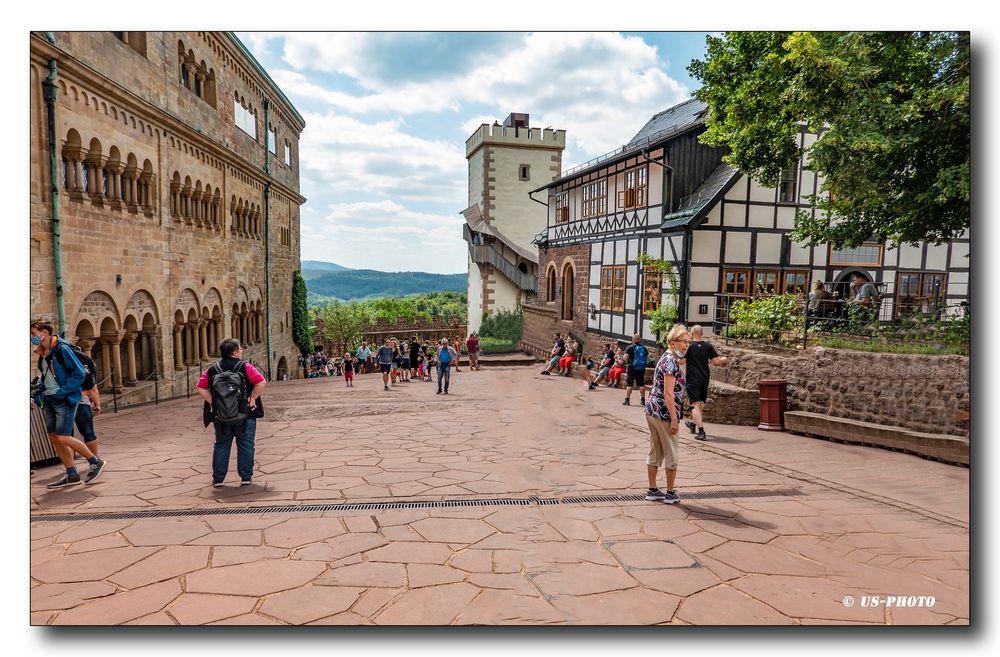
<point x="671" y="498"/>
<point x="655" y="495"/>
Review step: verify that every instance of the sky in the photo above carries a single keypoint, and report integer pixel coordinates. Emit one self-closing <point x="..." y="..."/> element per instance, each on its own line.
<point x="382" y="157"/>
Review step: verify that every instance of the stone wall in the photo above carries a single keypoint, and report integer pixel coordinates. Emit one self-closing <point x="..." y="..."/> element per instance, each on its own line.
<point x="426" y="330"/>
<point x="158" y="268"/>
<point x="924" y="393"/>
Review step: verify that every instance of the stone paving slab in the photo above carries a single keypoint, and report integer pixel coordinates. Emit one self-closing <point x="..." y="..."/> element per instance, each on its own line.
<point x="867" y="521"/>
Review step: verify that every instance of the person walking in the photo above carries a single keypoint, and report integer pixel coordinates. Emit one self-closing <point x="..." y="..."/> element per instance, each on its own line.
<point x="363" y="353"/>
<point x="635" y="371"/>
<point x="348" y="370"/>
<point x="90" y="402"/>
<point x="58" y="391"/>
<point x="663" y="414"/>
<point x="384" y="359"/>
<point x="700" y="354"/>
<point x="231" y="389"/>
<point x="446" y="356"/>
<point x="414" y="356"/>
<point x="472" y="346"/>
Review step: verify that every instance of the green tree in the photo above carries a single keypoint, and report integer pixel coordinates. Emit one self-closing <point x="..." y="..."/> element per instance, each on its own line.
<point x="300" y="314"/>
<point x="893" y="108"/>
<point x="343" y="323"/>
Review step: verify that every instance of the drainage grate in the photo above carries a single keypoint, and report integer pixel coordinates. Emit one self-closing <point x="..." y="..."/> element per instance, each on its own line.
<point x="428" y="504"/>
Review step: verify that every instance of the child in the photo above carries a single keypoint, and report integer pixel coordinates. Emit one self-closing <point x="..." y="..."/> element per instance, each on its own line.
<point x="349" y="370"/>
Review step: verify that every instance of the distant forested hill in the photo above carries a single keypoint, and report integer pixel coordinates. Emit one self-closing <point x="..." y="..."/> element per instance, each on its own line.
<point x="366" y="283"/>
<point x="314" y="268"/>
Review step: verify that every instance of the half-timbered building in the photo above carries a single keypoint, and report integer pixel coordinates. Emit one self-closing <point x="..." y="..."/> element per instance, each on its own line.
<point x="667" y="195"/>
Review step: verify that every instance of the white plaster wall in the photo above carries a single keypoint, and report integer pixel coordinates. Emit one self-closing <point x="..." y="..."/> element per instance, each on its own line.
<point x="759" y="193"/>
<point x="737" y="247"/>
<point x="768" y="248"/>
<point x="735" y="214"/>
<point x="474" y="306"/>
<point x="705" y="246"/>
<point x="704" y="278"/>
<point x="786" y="217"/>
<point x="937" y="257"/>
<point x="738" y="191"/>
<point x="761" y="216"/>
<point x="516" y="215"/>
<point x="714" y="215"/>
<point x="909" y="256"/>
<point x="799" y="255"/>
<point x="959" y="252"/>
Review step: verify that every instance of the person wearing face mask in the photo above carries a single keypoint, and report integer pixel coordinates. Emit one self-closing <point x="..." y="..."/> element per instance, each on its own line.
<point x="62" y="375"/>
<point x="663" y="414"/>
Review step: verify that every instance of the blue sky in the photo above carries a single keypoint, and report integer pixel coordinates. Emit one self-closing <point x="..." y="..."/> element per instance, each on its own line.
<point x="387" y="115"/>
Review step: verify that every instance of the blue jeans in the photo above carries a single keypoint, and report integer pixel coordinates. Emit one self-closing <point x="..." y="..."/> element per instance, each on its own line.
<point x="59" y="415"/>
<point x="85" y="423"/>
<point x="244" y="435"/>
<point x="444" y="372"/>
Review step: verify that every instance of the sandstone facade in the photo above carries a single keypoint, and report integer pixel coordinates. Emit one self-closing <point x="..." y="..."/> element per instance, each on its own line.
<point x="169" y="221"/>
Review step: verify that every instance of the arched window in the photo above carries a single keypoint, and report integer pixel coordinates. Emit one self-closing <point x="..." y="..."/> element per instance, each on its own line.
<point x="567" y="292"/>
<point x="550" y="292"/>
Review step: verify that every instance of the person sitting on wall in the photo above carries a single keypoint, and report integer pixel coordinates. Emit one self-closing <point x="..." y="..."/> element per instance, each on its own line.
<point x="558" y="349"/>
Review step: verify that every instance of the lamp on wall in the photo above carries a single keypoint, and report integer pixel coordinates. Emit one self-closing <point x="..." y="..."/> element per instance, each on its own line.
<point x="593" y="311"/>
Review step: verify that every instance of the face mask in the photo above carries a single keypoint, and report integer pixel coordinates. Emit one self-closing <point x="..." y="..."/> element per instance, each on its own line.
<point x="679" y="353"/>
<point x="36" y="340"/>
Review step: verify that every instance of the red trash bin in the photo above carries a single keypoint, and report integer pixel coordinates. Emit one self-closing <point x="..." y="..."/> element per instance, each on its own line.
<point x="773" y="404"/>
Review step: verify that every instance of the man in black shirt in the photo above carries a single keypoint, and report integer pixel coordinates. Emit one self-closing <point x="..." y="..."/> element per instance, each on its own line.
<point x="558" y="349"/>
<point x="699" y="355"/>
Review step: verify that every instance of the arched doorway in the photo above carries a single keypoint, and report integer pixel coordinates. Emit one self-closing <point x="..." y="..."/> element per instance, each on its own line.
<point x="282" y="369"/>
<point x="567" y="292"/>
<point x="842" y="283"/>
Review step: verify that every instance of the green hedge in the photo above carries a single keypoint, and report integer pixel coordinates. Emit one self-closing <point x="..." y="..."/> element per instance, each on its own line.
<point x="496" y="346"/>
<point x="503" y="325"/>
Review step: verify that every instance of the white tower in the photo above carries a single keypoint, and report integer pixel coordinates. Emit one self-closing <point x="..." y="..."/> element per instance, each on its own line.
<point x="506" y="162"/>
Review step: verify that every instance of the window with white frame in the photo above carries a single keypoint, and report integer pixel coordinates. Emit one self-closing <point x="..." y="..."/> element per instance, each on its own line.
<point x="272" y="140"/>
<point x="245" y="119"/>
<point x="634" y="193"/>
<point x="562" y="207"/>
<point x="787" y="186"/>
<point x="288" y="153"/>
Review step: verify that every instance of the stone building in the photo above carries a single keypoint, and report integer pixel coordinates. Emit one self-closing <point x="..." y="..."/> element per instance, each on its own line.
<point x="176" y="203"/>
<point x="668" y="196"/>
<point x="505" y="163"/>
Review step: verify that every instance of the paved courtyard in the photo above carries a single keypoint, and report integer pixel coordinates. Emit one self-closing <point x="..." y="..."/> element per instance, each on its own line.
<point x="772" y="528"/>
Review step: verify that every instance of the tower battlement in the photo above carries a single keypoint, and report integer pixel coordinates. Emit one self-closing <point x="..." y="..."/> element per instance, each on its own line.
<point x="500" y="135"/>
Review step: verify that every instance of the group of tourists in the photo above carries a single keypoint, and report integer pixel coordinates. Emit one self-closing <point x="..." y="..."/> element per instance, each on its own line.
<point x="66" y="391"/>
<point x="682" y="370"/>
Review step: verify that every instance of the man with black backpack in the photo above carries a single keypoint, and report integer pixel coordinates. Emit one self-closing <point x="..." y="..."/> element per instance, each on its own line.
<point x="231" y="389"/>
<point x="635" y="372"/>
<point x="57" y="391"/>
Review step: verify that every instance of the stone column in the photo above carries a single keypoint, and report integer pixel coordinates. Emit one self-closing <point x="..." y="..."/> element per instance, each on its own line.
<point x="196" y="207"/>
<point x="131" y="377"/>
<point x="114" y="186"/>
<point x="203" y="338"/>
<point x="116" y="359"/>
<point x="178" y="354"/>
<point x="86" y="344"/>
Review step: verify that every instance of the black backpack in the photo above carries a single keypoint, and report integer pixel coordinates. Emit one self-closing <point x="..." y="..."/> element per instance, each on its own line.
<point x="88" y="364"/>
<point x="229" y="395"/>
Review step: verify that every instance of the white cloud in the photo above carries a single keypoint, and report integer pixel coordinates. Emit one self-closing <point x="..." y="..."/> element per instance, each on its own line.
<point x="387" y="236"/>
<point x="599" y="87"/>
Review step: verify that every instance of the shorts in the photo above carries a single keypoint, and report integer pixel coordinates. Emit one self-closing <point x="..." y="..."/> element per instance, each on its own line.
<point x="59" y="416"/>
<point x="555" y="361"/>
<point x="385" y="367"/>
<point x="565" y="361"/>
<point x="603" y="373"/>
<point x="635" y="377"/>
<point x="663" y="446"/>
<point x="473" y="357"/>
<point x="348" y="376"/>
<point x="85" y="423"/>
<point x="697" y="392"/>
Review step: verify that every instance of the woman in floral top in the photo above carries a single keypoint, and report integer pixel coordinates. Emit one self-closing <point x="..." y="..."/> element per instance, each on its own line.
<point x="663" y="414"/>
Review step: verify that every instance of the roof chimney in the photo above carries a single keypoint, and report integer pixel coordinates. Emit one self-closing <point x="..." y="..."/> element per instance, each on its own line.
<point x="515" y="120"/>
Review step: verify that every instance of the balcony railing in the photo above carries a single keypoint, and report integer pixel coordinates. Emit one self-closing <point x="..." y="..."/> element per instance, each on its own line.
<point x="487" y="254"/>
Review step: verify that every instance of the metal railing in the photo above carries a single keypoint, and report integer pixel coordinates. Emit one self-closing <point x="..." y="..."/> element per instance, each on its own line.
<point x="938" y="315"/>
<point x="484" y="253"/>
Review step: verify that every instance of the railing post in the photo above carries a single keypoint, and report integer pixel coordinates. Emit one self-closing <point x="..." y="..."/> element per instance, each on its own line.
<point x="156" y="387"/>
<point x="187" y="378"/>
<point x="805" y="330"/>
<point x="114" y="388"/>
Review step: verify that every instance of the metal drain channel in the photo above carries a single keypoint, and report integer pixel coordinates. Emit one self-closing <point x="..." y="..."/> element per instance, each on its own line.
<point x="429" y="504"/>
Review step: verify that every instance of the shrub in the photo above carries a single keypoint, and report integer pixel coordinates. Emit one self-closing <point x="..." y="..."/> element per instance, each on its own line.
<point x="765" y="317"/>
<point x="503" y="325"/>
<point x="489" y="345"/>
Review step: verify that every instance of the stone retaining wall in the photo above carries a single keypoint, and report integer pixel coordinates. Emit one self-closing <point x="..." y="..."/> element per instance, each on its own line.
<point x="922" y="393"/>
